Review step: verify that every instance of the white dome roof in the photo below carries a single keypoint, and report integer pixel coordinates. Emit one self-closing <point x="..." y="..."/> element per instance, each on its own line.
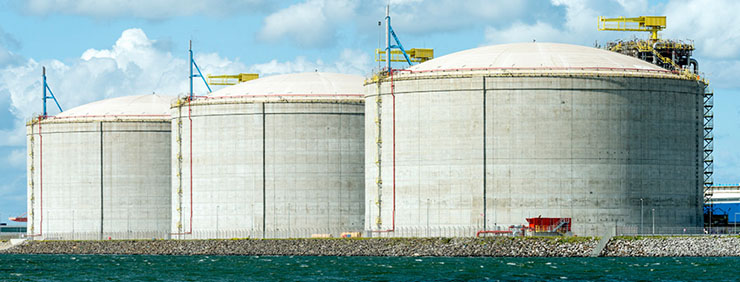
<point x="144" y="106"/>
<point x="534" y="56"/>
<point x="297" y="84"/>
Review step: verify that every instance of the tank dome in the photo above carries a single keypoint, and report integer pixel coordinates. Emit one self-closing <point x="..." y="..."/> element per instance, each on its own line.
<point x="139" y="105"/>
<point x="538" y="56"/>
<point x="296" y="84"/>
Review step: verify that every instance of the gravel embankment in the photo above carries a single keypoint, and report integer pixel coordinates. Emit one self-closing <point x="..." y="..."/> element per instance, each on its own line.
<point x="4" y="245"/>
<point x="676" y="246"/>
<point x="464" y="247"/>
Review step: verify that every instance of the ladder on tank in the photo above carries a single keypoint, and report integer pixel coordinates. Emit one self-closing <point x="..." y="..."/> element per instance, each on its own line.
<point x="378" y="156"/>
<point x="708" y="137"/>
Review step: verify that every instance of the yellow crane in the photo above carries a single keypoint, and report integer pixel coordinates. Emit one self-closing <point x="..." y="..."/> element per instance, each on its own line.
<point x="652" y="24"/>
<point x="673" y="55"/>
<point x="416" y="55"/>
<point x="669" y="54"/>
<point x="231" y="79"/>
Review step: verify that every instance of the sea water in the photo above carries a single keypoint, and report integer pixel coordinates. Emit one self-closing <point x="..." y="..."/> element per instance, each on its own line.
<point x="328" y="268"/>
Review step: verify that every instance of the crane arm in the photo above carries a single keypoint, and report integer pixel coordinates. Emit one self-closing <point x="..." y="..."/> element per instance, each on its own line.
<point x="653" y="24"/>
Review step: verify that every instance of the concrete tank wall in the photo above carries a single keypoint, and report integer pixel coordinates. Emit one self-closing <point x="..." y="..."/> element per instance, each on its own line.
<point x="267" y="167"/>
<point x="101" y="178"/>
<point x="589" y="148"/>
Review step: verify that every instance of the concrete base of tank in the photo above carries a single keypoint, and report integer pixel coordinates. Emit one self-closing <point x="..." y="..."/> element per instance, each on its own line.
<point x="479" y="153"/>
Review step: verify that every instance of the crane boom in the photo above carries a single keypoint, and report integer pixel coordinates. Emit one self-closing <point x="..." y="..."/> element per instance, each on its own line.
<point x="652" y="24"/>
<point x="416" y="55"/>
<point x="229" y="79"/>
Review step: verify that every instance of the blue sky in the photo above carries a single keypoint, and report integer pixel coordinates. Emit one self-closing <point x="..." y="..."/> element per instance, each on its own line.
<point x="96" y="49"/>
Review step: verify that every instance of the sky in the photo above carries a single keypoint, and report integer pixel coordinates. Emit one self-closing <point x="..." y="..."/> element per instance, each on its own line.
<point x="97" y="49"/>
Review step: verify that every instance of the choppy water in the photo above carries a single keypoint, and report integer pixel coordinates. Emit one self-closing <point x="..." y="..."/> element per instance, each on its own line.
<point x="267" y="268"/>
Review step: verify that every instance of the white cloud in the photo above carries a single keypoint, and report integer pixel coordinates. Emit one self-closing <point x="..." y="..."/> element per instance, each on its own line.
<point x="317" y="23"/>
<point x="578" y="26"/>
<point x="713" y="27"/>
<point x="7" y="43"/>
<point x="520" y="32"/>
<point x="131" y="66"/>
<point x="712" y="24"/>
<point x="350" y="61"/>
<point x="147" y="9"/>
<point x="8" y="40"/>
<point x="634" y="7"/>
<point x="708" y="24"/>
<point x="134" y="66"/>
<point x="311" y="23"/>
<point x="418" y="17"/>
<point x="9" y="58"/>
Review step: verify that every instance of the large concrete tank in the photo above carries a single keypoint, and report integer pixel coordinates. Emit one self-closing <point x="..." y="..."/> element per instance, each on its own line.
<point x="280" y="156"/>
<point x="101" y="170"/>
<point x="484" y="138"/>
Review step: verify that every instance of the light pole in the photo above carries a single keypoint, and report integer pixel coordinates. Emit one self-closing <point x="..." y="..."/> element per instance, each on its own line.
<point x="217" y="208"/>
<point x="653" y="221"/>
<point x="641" y="208"/>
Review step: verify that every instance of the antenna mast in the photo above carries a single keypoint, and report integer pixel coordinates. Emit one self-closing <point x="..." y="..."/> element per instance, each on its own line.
<point x="51" y="94"/>
<point x="415" y="55"/>
<point x="192" y="63"/>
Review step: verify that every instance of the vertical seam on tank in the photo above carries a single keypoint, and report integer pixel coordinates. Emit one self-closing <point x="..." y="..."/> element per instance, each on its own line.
<point x="102" y="211"/>
<point x="572" y="180"/>
<point x="485" y="168"/>
<point x="41" y="181"/>
<point x="418" y="163"/>
<point x="264" y="179"/>
<point x="493" y="173"/>
<point x="341" y="108"/>
<point x="179" y="170"/>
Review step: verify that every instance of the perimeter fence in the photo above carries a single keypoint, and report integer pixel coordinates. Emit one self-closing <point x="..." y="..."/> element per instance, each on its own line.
<point x="663" y="230"/>
<point x="407" y="231"/>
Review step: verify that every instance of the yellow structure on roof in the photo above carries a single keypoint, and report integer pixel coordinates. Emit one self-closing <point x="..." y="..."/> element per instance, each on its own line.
<point x="417" y="55"/>
<point x="231" y="79"/>
<point x="653" y="24"/>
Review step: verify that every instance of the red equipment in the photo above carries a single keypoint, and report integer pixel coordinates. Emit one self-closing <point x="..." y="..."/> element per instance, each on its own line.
<point x="549" y="224"/>
<point x="21" y="218"/>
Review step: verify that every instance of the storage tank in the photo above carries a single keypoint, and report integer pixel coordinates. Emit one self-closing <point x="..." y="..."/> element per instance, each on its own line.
<point x="101" y="170"/>
<point x="279" y="156"/>
<point x="484" y="138"/>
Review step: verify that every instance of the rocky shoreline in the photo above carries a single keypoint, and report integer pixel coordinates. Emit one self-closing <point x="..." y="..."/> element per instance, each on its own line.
<point x="673" y="246"/>
<point x="452" y="247"/>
